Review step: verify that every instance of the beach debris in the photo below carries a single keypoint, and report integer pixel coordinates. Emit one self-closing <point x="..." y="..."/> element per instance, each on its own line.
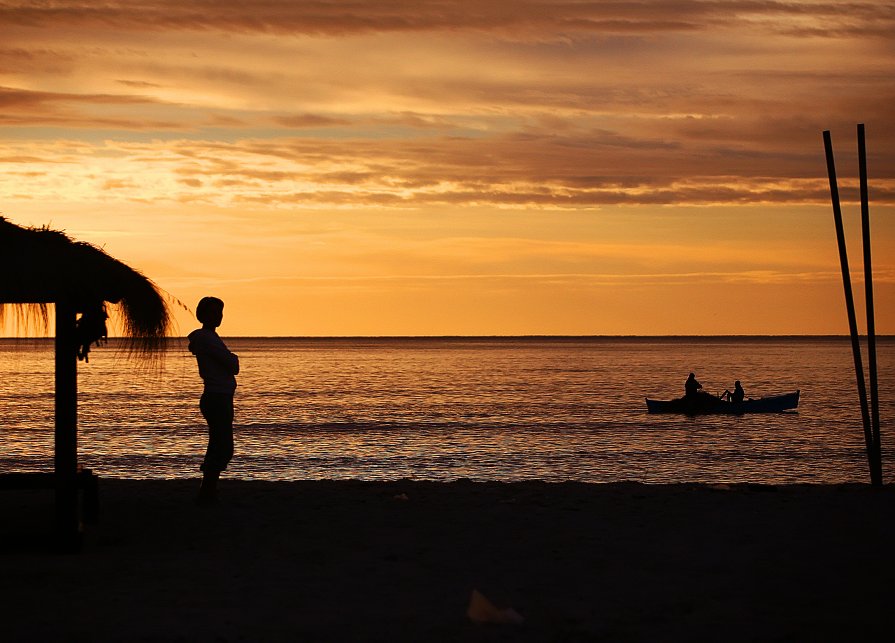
<point x="481" y="610"/>
<point x="401" y="496"/>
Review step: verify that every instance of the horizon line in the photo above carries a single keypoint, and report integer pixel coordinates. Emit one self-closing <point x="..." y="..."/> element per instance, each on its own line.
<point x="524" y="336"/>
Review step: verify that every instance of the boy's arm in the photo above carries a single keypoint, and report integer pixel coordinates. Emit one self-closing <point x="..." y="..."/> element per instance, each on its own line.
<point x="223" y="356"/>
<point x="216" y="351"/>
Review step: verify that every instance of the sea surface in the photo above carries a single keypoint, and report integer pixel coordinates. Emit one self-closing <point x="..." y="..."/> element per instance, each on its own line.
<point x="502" y="409"/>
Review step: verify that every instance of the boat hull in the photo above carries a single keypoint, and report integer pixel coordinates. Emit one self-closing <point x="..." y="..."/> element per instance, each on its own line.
<point x="705" y="404"/>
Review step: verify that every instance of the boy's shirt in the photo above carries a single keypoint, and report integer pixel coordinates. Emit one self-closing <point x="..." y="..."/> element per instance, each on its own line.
<point x="218" y="367"/>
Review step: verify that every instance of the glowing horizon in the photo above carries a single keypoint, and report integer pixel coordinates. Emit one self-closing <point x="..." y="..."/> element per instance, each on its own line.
<point x="514" y="168"/>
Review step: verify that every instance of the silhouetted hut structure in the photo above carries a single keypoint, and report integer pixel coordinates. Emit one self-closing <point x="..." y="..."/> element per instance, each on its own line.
<point x="40" y="267"/>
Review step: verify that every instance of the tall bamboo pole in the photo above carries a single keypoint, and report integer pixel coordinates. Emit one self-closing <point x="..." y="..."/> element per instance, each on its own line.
<point x="850" y="306"/>
<point x="66" y="431"/>
<point x="868" y="292"/>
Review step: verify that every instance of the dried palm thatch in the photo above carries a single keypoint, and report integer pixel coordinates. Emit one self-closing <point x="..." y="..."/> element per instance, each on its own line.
<point x="40" y="266"/>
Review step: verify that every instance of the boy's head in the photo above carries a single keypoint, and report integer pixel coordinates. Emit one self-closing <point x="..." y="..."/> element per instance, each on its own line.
<point x="210" y="311"/>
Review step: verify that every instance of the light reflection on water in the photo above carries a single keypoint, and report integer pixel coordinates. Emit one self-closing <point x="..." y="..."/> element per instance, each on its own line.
<point x="444" y="409"/>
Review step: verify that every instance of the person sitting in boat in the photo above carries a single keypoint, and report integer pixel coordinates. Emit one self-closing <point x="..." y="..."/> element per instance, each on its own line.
<point x="691" y="387"/>
<point x="738" y="394"/>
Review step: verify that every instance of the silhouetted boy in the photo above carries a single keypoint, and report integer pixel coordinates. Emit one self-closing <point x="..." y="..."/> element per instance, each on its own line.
<point x="218" y="368"/>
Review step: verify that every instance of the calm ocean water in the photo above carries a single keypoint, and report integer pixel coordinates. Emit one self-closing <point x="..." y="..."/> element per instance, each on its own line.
<point x="442" y="409"/>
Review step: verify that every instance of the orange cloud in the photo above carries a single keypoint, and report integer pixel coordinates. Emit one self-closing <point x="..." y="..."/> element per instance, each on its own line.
<point x="562" y="16"/>
<point x="504" y="171"/>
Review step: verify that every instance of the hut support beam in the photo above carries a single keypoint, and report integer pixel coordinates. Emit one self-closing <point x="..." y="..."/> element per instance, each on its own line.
<point x="66" y="433"/>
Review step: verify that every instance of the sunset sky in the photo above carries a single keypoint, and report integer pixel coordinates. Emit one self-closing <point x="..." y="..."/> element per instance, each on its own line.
<point x="460" y="167"/>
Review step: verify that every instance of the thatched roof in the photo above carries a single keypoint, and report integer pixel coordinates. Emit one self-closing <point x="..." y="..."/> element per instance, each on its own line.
<point x="39" y="266"/>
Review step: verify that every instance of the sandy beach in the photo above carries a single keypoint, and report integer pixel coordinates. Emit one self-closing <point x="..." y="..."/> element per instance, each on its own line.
<point x="398" y="561"/>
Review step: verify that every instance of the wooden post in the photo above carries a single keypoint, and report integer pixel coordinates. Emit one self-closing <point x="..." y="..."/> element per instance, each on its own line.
<point x="850" y="305"/>
<point x="66" y="434"/>
<point x="877" y="475"/>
